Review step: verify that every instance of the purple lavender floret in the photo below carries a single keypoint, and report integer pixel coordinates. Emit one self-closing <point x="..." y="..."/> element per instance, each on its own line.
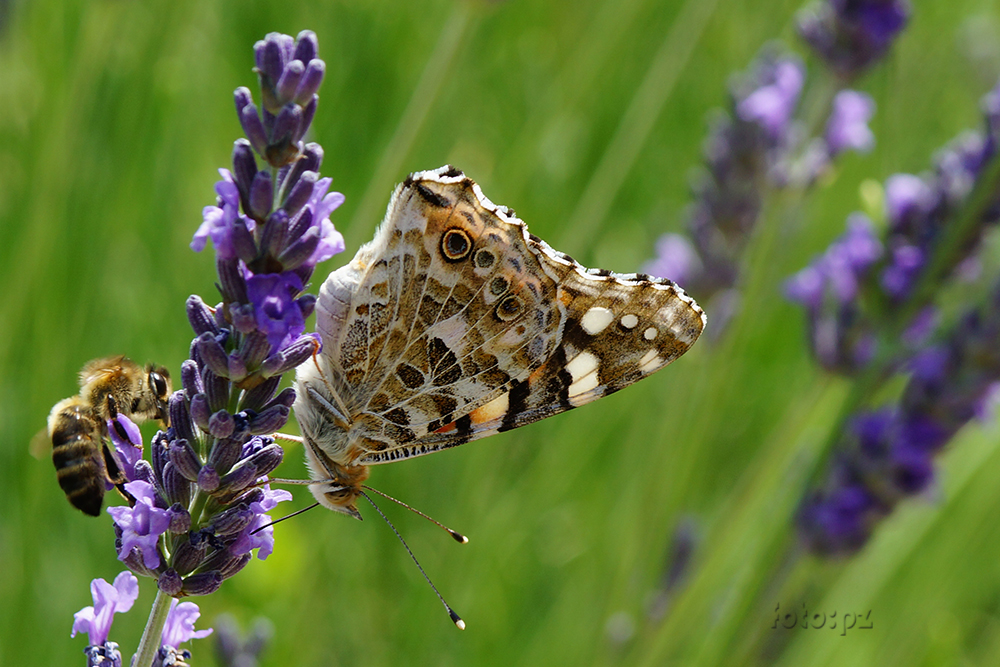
<point x="142" y="524"/>
<point x="179" y="627"/>
<point x="852" y="35"/>
<point x="109" y="599"/>
<point x="847" y="128"/>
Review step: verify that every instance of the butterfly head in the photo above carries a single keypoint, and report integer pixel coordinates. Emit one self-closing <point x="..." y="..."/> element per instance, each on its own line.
<point x="340" y="490"/>
<point x="337" y="497"/>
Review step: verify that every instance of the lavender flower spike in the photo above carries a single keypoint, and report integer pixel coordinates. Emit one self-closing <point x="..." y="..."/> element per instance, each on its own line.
<point x="852" y="35"/>
<point x="108" y="600"/>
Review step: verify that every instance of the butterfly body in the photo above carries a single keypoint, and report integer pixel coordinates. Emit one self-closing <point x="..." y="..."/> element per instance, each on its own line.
<point x="455" y="323"/>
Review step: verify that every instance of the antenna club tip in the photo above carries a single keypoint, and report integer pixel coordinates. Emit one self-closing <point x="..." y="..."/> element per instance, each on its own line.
<point x="461" y="539"/>
<point x="459" y="623"/>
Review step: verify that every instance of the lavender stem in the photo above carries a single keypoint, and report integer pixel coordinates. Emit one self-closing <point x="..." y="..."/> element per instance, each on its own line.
<point x="150" y="641"/>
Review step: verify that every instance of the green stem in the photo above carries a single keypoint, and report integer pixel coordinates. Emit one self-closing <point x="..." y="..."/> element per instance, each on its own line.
<point x="150" y="641"/>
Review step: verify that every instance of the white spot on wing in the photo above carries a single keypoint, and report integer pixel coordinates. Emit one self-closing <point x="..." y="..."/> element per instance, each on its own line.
<point x="650" y="333"/>
<point x="583" y="370"/>
<point x="630" y="321"/>
<point x="650" y="362"/>
<point x="596" y="320"/>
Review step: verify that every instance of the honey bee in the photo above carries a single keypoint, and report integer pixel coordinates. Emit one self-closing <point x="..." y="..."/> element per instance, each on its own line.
<point x="77" y="426"/>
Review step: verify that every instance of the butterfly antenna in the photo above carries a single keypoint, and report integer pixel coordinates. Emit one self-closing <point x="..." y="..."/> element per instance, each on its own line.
<point x="287" y="516"/>
<point x="459" y="537"/>
<point x="455" y="618"/>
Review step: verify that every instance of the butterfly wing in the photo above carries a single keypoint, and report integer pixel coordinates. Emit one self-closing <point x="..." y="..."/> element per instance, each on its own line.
<point x="618" y="330"/>
<point x="440" y="314"/>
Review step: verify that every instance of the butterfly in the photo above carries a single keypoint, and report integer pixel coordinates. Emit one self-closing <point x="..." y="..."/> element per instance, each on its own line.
<point x="454" y="323"/>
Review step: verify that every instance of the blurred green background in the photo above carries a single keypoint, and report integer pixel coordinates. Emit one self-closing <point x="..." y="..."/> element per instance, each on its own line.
<point x="587" y="118"/>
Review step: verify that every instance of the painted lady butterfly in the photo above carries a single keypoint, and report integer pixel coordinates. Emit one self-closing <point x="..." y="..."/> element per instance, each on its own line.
<point x="455" y="323"/>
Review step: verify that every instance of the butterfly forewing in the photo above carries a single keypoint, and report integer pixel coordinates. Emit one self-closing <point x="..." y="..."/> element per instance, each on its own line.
<point x="455" y="323"/>
<point x="439" y="315"/>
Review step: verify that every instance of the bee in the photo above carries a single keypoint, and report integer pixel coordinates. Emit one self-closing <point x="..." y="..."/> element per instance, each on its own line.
<point x="77" y="426"/>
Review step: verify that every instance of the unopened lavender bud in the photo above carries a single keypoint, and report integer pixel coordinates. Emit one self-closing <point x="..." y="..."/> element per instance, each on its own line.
<point x="293" y="355"/>
<point x="254" y="495"/>
<point x="269" y="420"/>
<point x="216" y="390"/>
<point x="144" y="472"/>
<point x="176" y="488"/>
<point x="308" y="113"/>
<point x="288" y="83"/>
<point x="185" y="459"/>
<point x="235" y="565"/>
<point x="300" y="250"/>
<point x="254" y="349"/>
<point x="243" y="243"/>
<point x="310" y="81"/>
<point x="208" y="479"/>
<point x="300" y="193"/>
<point x="302" y="221"/>
<point x="310" y="160"/>
<point x="237" y="368"/>
<point x="286" y="398"/>
<point x="180" y="519"/>
<point x="180" y="418"/>
<point x="190" y="378"/>
<point x="286" y="124"/>
<point x="200" y="412"/>
<point x="221" y="560"/>
<point x="204" y="583"/>
<point x="261" y="195"/>
<point x="200" y="316"/>
<point x="242" y="97"/>
<point x="244" y="163"/>
<point x="253" y="128"/>
<point x="231" y="282"/>
<point x="238" y="479"/>
<point x="258" y="397"/>
<point x="271" y="58"/>
<point x="158" y="448"/>
<point x="232" y="521"/>
<point x="307" y="304"/>
<point x="285" y="148"/>
<point x="189" y="554"/>
<point x="221" y="424"/>
<point x="243" y="318"/>
<point x="170" y="582"/>
<point x="306" y="46"/>
<point x="275" y="233"/>
<point x="225" y="453"/>
<point x="267" y="459"/>
<point x="135" y="562"/>
<point x="213" y="354"/>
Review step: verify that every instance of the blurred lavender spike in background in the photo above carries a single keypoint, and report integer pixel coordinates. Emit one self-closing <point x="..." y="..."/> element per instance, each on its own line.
<point x="852" y="35"/>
